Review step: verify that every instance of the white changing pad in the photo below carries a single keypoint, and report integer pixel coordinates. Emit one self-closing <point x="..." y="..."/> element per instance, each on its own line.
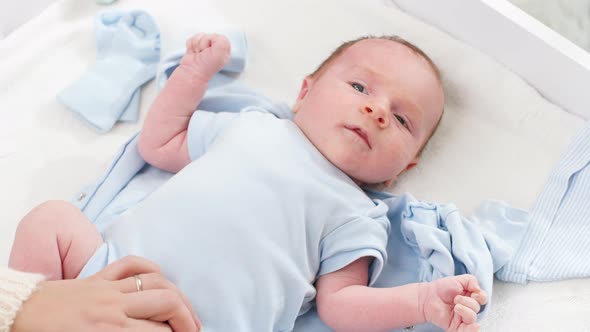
<point x="498" y="138"/>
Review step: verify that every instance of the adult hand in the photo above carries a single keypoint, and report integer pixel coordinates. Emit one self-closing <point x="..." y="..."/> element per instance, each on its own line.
<point x="109" y="302"/>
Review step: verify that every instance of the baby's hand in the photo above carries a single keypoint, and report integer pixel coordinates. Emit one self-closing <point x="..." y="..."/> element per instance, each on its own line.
<point x="452" y="303"/>
<point x="205" y="55"/>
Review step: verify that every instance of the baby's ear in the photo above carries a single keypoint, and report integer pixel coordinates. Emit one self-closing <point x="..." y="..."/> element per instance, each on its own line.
<point x="305" y="86"/>
<point x="411" y="165"/>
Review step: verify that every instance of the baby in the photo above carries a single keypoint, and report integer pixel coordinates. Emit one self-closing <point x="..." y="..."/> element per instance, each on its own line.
<point x="265" y="215"/>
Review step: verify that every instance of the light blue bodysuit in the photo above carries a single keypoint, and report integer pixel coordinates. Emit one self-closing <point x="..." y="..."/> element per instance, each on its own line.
<point x="248" y="226"/>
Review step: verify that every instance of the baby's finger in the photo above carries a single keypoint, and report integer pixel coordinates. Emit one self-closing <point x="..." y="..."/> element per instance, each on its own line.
<point x="221" y="46"/>
<point x="455" y="323"/>
<point x="481" y="297"/>
<point x="469" y="302"/>
<point x="192" y="42"/>
<point x="468" y="282"/>
<point x="205" y="42"/>
<point x="473" y="285"/>
<point x="468" y="316"/>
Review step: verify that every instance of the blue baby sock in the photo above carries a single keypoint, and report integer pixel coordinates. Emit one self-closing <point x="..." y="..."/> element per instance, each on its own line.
<point x="128" y="52"/>
<point x="131" y="112"/>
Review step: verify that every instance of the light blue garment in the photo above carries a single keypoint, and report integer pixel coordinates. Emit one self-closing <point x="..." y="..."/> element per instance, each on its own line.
<point x="250" y="224"/>
<point x="557" y="244"/>
<point x="128" y="51"/>
<point x="430" y="241"/>
<point x="426" y="241"/>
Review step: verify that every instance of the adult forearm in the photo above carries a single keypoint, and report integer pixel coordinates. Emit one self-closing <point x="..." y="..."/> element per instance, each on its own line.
<point x="362" y="308"/>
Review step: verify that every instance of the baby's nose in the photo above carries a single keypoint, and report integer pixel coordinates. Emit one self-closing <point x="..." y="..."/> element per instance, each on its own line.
<point x="378" y="114"/>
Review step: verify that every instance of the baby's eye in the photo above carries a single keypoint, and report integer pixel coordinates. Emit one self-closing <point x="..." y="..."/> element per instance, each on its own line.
<point x="401" y="120"/>
<point x="359" y="87"/>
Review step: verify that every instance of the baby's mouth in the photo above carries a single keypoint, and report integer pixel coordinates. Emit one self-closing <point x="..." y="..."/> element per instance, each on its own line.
<point x="360" y="132"/>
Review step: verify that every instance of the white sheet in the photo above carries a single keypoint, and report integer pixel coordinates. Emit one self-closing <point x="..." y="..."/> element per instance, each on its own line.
<point x="498" y="138"/>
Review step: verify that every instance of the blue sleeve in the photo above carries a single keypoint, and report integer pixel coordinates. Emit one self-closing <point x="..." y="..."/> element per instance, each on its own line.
<point x="365" y="236"/>
<point x="203" y="128"/>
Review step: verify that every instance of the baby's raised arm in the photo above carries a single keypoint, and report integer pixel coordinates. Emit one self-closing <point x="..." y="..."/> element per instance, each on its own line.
<point x="163" y="139"/>
<point x="346" y="303"/>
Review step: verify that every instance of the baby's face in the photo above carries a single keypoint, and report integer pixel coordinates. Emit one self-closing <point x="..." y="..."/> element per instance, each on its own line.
<point x="371" y="109"/>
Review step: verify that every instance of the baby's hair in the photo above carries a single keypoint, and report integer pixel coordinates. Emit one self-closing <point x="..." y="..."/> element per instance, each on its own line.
<point x="392" y="38"/>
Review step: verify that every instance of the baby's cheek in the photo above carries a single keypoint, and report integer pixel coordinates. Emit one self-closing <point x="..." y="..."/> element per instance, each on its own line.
<point x="390" y="165"/>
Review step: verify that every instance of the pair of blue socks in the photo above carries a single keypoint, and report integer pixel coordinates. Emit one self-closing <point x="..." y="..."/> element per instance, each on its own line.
<point x="127" y="56"/>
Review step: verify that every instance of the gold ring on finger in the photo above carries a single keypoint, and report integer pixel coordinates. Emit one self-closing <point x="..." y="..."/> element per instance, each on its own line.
<point x="138" y="283"/>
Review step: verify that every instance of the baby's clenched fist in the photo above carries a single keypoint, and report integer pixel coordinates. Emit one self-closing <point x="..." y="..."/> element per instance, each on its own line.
<point x="453" y="303"/>
<point x="206" y="54"/>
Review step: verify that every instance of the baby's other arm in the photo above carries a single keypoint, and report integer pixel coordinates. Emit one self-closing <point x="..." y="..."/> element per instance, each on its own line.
<point x="346" y="303"/>
<point x="163" y="139"/>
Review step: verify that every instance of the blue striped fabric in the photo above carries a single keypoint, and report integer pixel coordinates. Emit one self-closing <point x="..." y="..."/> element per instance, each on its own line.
<point x="557" y="243"/>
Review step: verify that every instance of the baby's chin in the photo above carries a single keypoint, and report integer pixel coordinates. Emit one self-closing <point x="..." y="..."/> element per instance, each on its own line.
<point x="369" y="185"/>
<point x="368" y="182"/>
<point x="353" y="164"/>
<point x="382" y="186"/>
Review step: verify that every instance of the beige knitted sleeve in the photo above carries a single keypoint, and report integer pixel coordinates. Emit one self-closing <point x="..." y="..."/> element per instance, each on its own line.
<point x="15" y="287"/>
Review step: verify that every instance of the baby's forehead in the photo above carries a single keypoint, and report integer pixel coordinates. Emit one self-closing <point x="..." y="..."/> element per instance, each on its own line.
<point x="380" y="49"/>
<point x="378" y="57"/>
<point x="392" y="54"/>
